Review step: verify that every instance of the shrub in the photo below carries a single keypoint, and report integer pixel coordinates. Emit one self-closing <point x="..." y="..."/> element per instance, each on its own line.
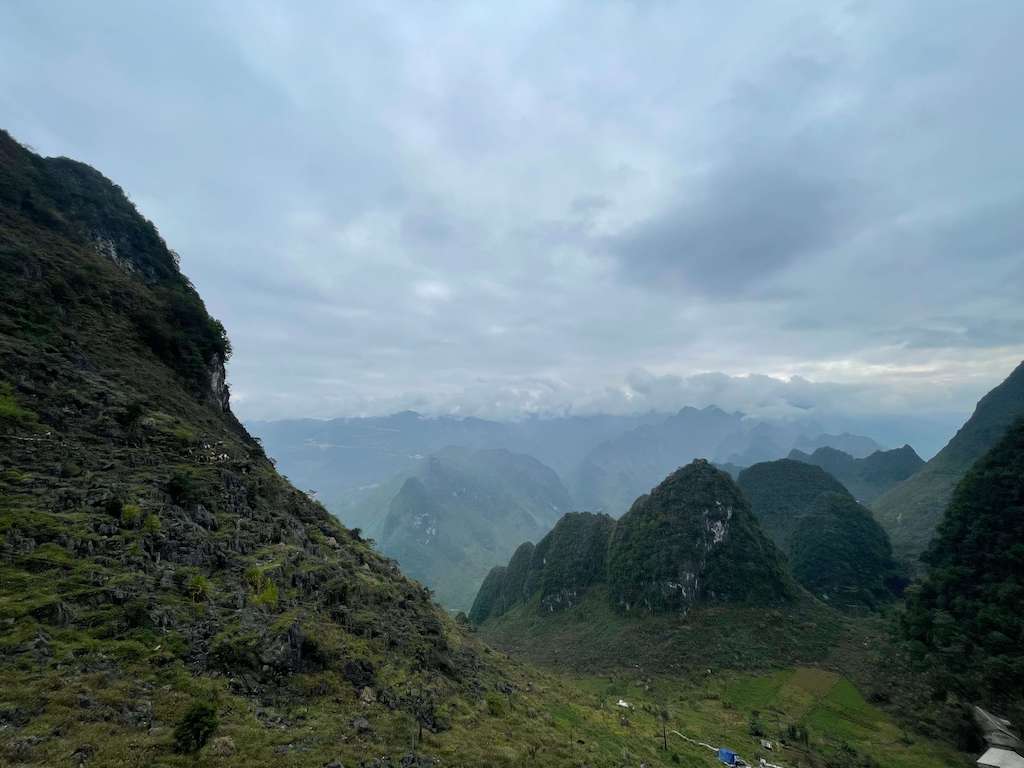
<point x="196" y="727"/>
<point x="131" y="515"/>
<point x="198" y="588"/>
<point x="267" y="595"/>
<point x="183" y="489"/>
<point x="151" y="524"/>
<point x="495" y="706"/>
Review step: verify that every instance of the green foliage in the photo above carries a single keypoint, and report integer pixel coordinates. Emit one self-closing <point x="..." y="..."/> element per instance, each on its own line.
<point x="755" y="727"/>
<point x="495" y="704"/>
<point x="570" y="559"/>
<point x="184" y="488"/>
<point x="198" y="588"/>
<point x="489" y="598"/>
<point x="12" y="414"/>
<point x="965" y="620"/>
<point x="866" y="478"/>
<point x="131" y="515"/>
<point x="459" y="512"/>
<point x="151" y="525"/>
<point x="692" y="540"/>
<point x="912" y="511"/>
<point x="781" y="491"/>
<point x="840" y="553"/>
<point x="196" y="727"/>
<point x="267" y="595"/>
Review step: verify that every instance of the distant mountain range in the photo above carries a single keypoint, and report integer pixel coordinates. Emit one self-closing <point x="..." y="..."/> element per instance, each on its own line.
<point x="617" y="471"/>
<point x="606" y="461"/>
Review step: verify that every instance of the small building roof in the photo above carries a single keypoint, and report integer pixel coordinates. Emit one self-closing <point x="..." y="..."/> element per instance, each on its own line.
<point x="996" y="757"/>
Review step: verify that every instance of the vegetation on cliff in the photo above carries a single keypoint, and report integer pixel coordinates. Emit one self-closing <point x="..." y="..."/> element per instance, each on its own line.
<point x="965" y="621"/>
<point x="911" y="511"/>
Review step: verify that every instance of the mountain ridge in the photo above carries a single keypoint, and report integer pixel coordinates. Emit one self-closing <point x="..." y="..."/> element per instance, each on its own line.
<point x="911" y="510"/>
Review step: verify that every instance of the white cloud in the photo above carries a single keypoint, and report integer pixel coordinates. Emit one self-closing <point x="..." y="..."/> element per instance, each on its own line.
<point x="492" y="211"/>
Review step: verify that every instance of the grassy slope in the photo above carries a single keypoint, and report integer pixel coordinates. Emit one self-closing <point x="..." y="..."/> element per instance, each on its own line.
<point x="755" y="645"/>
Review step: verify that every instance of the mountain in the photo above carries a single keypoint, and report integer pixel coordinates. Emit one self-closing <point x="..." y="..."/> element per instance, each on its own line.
<point x="460" y="512"/>
<point x="965" y="622"/>
<point x="857" y="446"/>
<point x="693" y="540"/>
<point x="605" y="460"/>
<point x="866" y="478"/>
<point x="617" y="471"/>
<point x="559" y="570"/>
<point x="836" y="548"/>
<point x="781" y="491"/>
<point x="348" y="461"/>
<point x="911" y="511"/>
<point x="841" y="554"/>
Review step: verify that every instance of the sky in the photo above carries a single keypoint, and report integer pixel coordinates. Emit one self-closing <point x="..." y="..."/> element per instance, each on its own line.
<point x="499" y="209"/>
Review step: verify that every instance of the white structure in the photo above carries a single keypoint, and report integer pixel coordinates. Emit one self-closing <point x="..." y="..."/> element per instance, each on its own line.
<point x="997" y="757"/>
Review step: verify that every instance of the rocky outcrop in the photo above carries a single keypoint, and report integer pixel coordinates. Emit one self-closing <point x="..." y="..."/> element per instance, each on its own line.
<point x="693" y="540"/>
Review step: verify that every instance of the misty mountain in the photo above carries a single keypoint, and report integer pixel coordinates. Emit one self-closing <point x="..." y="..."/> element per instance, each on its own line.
<point x="460" y="512"/>
<point x="348" y="461"/>
<point x="911" y="510"/>
<point x="857" y="446"/>
<point x="618" y="471"/>
<point x="866" y="478"/>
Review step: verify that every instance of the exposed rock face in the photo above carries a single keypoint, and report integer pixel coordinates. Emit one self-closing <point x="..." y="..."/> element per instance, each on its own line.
<point x="692" y="540"/>
<point x="219" y="395"/>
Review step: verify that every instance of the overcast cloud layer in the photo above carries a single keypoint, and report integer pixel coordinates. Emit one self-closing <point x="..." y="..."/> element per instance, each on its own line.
<point x="498" y="209"/>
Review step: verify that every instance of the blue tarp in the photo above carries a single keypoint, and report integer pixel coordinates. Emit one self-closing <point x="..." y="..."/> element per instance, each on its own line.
<point x="726" y="756"/>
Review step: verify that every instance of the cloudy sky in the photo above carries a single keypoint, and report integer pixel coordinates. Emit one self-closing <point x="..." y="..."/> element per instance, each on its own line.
<point x="506" y="208"/>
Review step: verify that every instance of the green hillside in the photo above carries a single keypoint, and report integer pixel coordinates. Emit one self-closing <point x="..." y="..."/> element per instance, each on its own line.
<point x="911" y="511"/>
<point x="841" y="554"/>
<point x="869" y="477"/>
<point x="559" y="570"/>
<point x="781" y="491"/>
<point x="965" y="621"/>
<point x="692" y="540"/>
